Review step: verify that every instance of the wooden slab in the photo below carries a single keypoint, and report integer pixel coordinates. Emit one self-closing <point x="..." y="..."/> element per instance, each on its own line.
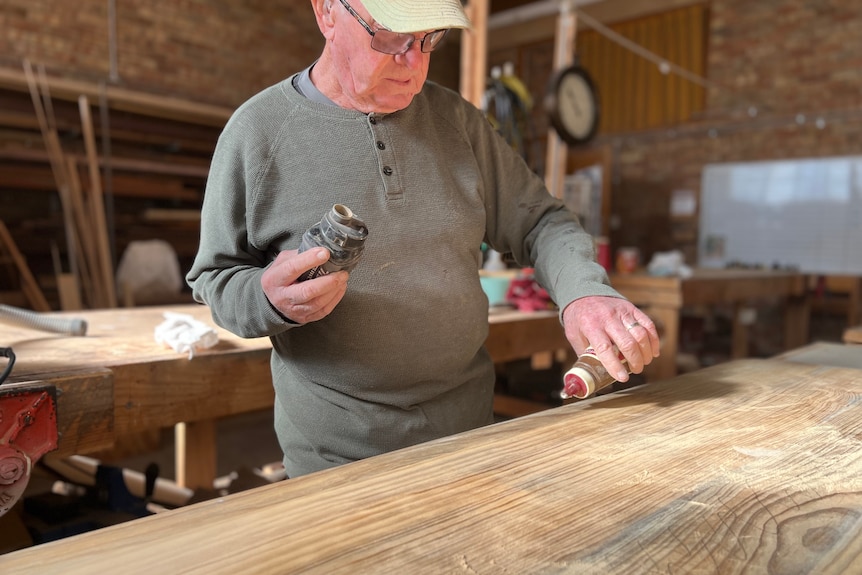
<point x="750" y="466"/>
<point x="853" y="334"/>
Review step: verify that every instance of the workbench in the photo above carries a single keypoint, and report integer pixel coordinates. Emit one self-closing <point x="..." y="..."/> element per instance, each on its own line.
<point x="515" y="335"/>
<point x="750" y="466"/>
<point x="826" y="353"/>
<point x="117" y="380"/>
<point x="664" y="297"/>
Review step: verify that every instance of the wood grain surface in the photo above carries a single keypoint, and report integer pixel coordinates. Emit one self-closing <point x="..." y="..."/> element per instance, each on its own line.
<point x="114" y="337"/>
<point x="153" y="386"/>
<point x="751" y="466"/>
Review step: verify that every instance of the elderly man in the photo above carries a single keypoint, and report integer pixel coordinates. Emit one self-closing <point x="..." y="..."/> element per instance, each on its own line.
<point x="394" y="356"/>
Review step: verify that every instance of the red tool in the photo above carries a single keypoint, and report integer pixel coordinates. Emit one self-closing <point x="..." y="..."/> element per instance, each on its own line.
<point x="28" y="412"/>
<point x="28" y="430"/>
<point x="526" y="294"/>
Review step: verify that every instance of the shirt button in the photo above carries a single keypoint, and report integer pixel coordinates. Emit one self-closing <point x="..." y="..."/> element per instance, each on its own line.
<point x="387" y="170"/>
<point x="381" y="146"/>
<point x="373" y="120"/>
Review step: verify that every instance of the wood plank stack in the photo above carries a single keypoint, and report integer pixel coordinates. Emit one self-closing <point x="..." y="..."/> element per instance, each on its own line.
<point x="86" y="169"/>
<point x="29" y="288"/>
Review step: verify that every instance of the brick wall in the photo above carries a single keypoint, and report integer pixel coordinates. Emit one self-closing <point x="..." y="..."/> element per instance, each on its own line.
<point x="213" y="51"/>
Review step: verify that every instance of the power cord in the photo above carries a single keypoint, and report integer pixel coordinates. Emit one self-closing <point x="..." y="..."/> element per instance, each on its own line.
<point x="10" y="355"/>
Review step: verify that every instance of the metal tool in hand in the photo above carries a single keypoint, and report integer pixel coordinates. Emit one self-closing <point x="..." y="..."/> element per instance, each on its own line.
<point x="340" y="231"/>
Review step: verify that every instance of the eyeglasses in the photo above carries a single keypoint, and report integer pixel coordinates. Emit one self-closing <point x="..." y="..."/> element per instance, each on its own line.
<point x="395" y="43"/>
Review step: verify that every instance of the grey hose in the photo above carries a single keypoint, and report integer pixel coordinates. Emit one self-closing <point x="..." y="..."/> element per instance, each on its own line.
<point x="36" y="320"/>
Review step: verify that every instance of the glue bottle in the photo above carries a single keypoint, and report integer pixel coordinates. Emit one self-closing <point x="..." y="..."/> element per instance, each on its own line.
<point x="587" y="376"/>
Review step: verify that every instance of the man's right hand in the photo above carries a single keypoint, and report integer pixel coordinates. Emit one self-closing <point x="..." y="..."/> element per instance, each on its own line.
<point x="306" y="301"/>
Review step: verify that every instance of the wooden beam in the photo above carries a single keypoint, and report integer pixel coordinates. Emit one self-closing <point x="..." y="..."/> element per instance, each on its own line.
<point x="195" y="453"/>
<point x="564" y="51"/>
<point x="474" y="53"/>
<point x="28" y="282"/>
<point x="117" y="164"/>
<point x="84" y="238"/>
<point x="41" y="97"/>
<point x="126" y="100"/>
<point x="97" y="206"/>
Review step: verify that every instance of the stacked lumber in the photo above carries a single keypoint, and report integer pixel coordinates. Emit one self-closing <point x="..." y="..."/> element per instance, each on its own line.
<point x="87" y="169"/>
<point x="29" y="288"/>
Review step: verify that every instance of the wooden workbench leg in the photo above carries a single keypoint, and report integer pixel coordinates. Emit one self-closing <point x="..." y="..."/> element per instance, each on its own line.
<point x="854" y="306"/>
<point x="667" y="323"/>
<point x="195" y="449"/>
<point x="739" y="332"/>
<point x="797" y="313"/>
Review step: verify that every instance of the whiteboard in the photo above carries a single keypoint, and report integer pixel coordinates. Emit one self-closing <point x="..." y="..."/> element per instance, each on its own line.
<point x="804" y="214"/>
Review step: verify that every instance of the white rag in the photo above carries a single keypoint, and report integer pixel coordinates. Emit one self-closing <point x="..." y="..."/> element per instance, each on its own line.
<point x="670" y="263"/>
<point x="183" y="333"/>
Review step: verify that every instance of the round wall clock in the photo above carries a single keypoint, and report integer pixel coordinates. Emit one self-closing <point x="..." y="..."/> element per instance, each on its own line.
<point x="572" y="104"/>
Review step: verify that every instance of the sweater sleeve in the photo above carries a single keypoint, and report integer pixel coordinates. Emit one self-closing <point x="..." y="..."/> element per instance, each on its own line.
<point x="523" y="218"/>
<point x="226" y="273"/>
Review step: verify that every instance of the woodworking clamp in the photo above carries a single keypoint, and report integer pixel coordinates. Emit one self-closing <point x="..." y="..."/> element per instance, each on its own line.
<point x="28" y="430"/>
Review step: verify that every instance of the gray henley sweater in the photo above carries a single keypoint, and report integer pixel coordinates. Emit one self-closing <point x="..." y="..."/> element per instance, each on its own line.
<point x="400" y="360"/>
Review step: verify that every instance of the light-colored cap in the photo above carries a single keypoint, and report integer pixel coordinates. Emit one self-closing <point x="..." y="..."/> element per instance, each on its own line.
<point x="417" y="15"/>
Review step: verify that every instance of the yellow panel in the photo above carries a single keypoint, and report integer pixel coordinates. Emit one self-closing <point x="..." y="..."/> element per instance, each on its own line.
<point x="634" y="94"/>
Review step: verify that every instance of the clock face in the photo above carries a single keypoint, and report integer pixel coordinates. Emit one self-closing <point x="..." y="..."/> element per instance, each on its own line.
<point x="577" y="106"/>
<point x="573" y="106"/>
